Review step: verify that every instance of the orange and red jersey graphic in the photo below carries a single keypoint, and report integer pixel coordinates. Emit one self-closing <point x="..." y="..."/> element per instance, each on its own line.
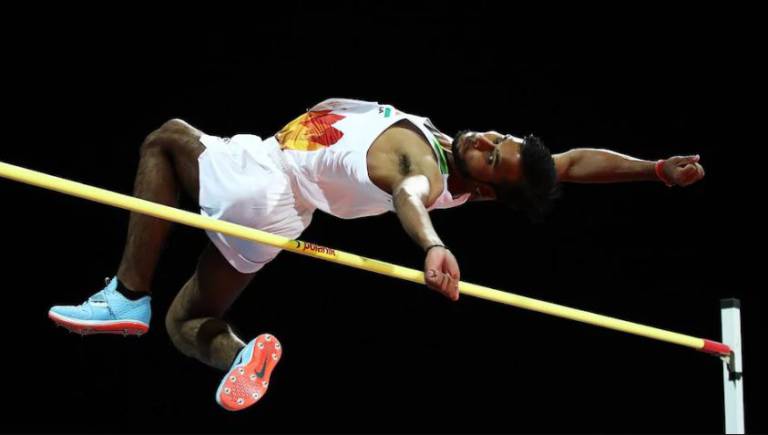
<point x="311" y="131"/>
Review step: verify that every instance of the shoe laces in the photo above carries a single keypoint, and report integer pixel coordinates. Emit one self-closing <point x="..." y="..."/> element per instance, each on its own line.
<point x="100" y="296"/>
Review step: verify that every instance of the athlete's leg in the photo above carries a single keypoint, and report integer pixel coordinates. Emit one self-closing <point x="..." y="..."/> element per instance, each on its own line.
<point x="195" y="325"/>
<point x="167" y="166"/>
<point x="194" y="320"/>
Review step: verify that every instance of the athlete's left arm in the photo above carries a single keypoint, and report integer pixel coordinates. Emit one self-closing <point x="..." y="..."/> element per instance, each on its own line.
<point x="586" y="165"/>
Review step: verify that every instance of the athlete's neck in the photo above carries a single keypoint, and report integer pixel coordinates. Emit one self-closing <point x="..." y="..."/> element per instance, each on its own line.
<point x="457" y="184"/>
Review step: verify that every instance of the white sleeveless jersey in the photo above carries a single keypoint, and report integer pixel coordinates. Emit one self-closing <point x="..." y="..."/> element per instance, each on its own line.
<point x="325" y="151"/>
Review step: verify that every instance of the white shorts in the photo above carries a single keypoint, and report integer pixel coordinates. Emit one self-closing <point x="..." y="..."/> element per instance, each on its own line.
<point x="242" y="181"/>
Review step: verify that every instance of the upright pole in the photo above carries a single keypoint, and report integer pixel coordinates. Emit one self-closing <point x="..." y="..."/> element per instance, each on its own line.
<point x="733" y="384"/>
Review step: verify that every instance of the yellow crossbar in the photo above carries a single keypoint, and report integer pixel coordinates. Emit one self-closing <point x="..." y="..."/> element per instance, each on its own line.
<point x="324" y="253"/>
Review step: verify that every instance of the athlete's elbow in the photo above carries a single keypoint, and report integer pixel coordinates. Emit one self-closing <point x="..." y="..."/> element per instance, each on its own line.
<point x="412" y="190"/>
<point x="402" y="199"/>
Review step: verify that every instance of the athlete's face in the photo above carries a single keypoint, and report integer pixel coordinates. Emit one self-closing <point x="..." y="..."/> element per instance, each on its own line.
<point x="489" y="157"/>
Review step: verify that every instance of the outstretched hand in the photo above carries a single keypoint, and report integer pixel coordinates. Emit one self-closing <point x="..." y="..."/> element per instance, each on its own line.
<point x="683" y="171"/>
<point x="441" y="272"/>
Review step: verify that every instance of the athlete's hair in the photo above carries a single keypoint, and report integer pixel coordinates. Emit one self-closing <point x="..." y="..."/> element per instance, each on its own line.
<point x="536" y="191"/>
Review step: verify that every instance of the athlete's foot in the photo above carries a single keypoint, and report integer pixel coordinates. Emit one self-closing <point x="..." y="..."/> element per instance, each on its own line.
<point x="106" y="312"/>
<point x="248" y="379"/>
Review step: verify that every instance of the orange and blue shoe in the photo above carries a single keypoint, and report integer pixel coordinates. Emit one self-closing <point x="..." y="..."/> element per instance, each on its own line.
<point x="248" y="379"/>
<point x="106" y="312"/>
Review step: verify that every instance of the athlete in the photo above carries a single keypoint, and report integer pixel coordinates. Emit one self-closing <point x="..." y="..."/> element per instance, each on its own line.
<point x="348" y="158"/>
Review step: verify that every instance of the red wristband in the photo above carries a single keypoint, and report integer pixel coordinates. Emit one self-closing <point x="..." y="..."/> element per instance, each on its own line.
<point x="660" y="173"/>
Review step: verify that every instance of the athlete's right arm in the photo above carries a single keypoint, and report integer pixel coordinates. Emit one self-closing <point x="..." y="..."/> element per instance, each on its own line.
<point x="441" y="271"/>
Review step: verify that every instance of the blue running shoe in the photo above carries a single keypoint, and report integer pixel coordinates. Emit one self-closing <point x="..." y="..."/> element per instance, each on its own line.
<point x="248" y="379"/>
<point x="106" y="312"/>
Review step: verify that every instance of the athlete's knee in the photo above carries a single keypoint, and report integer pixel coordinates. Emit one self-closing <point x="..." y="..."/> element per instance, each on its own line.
<point x="183" y="335"/>
<point x="195" y="337"/>
<point x="173" y="133"/>
<point x="177" y="127"/>
<point x="174" y="327"/>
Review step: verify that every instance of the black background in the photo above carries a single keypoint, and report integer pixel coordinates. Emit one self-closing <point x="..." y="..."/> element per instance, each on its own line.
<point x="370" y="353"/>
